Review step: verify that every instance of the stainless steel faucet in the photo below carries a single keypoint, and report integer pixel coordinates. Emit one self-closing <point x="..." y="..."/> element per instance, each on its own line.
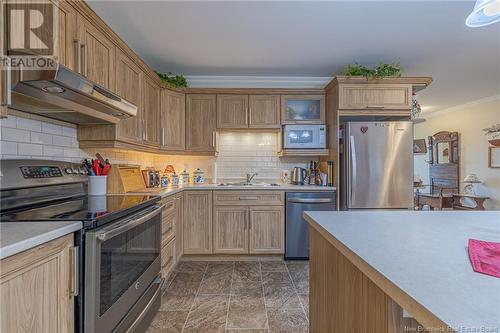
<point x="250" y="176"/>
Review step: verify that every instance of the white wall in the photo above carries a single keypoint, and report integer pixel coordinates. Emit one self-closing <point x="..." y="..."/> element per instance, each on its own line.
<point x="468" y="120"/>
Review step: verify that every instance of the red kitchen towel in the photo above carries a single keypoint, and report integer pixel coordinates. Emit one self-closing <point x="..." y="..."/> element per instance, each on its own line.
<point x="485" y="257"/>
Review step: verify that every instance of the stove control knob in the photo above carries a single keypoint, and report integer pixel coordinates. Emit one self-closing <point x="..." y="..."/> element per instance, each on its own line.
<point x="82" y="172"/>
<point x="75" y="171"/>
<point x="68" y="170"/>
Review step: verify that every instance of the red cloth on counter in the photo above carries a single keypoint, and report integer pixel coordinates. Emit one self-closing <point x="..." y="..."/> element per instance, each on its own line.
<point x="485" y="257"/>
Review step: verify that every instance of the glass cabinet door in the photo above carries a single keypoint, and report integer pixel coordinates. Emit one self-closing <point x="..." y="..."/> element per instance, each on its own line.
<point x="303" y="109"/>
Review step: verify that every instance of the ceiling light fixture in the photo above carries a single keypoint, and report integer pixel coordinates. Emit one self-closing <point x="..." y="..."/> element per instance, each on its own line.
<point x="485" y="12"/>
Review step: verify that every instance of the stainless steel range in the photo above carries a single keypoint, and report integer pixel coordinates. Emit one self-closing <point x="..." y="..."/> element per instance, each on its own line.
<point x="119" y="261"/>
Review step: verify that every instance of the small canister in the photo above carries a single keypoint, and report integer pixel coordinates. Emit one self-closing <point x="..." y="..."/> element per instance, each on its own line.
<point x="174" y="179"/>
<point x="164" y="180"/>
<point x="184" y="179"/>
<point x="198" y="176"/>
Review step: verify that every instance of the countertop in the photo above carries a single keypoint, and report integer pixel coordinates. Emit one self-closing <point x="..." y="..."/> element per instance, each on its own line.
<point x="170" y="190"/>
<point x="16" y="237"/>
<point x="424" y="254"/>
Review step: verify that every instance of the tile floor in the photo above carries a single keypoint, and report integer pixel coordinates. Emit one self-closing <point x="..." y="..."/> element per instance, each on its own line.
<point x="235" y="297"/>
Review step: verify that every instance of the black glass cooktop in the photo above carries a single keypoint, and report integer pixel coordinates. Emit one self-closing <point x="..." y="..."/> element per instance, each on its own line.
<point x="93" y="211"/>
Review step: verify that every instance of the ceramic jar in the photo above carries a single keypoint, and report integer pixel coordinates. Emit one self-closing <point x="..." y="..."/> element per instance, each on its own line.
<point x="198" y="176"/>
<point x="184" y="179"/>
<point x="174" y="179"/>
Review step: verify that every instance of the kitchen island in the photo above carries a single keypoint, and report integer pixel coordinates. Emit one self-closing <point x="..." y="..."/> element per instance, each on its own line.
<point x="366" y="266"/>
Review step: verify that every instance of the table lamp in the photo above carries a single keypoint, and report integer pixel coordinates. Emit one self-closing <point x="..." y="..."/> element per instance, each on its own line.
<point x="469" y="181"/>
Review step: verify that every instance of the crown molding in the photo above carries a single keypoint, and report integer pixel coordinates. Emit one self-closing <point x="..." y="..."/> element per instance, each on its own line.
<point x="202" y="81"/>
<point x="461" y="106"/>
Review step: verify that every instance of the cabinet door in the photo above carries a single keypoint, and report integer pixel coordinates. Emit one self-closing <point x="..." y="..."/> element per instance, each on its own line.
<point x="128" y="86"/>
<point x="151" y="112"/>
<point x="267" y="229"/>
<point x="173" y="120"/>
<point x="375" y="96"/>
<point x="67" y="47"/>
<point x="303" y="109"/>
<point x="36" y="288"/>
<point x="197" y="222"/>
<point x="264" y="111"/>
<point x="230" y="234"/>
<point x="97" y="54"/>
<point x="200" y="123"/>
<point x="232" y="111"/>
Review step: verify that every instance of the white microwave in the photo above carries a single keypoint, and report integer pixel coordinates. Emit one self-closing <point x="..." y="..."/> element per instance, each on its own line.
<point x="304" y="136"/>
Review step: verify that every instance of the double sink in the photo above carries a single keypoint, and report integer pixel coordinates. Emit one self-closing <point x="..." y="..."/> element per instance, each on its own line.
<point x="249" y="184"/>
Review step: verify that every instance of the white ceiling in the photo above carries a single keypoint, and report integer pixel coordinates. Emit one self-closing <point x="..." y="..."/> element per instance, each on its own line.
<point x="428" y="38"/>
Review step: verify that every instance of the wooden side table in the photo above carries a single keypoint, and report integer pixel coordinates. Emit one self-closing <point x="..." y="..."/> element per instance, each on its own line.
<point x="457" y="205"/>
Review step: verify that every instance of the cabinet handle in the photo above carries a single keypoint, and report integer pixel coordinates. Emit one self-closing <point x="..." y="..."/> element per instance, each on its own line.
<point x="75" y="288"/>
<point x="213" y="139"/>
<point x="248" y="218"/>
<point x="84" y="60"/>
<point x="6" y="82"/>
<point x="163" y="136"/>
<point x="78" y="56"/>
<point x="247" y="115"/>
<point x="374" y="107"/>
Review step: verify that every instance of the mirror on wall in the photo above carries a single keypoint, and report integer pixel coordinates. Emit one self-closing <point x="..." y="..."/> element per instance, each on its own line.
<point x="443" y="152"/>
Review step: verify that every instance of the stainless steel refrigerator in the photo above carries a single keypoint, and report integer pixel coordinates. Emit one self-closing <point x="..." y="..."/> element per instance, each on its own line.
<point x="376" y="165"/>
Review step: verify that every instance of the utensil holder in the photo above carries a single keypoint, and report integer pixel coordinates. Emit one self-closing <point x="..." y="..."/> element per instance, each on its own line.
<point x="97" y="185"/>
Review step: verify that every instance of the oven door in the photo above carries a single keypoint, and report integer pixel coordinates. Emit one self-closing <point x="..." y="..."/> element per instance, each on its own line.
<point x="122" y="259"/>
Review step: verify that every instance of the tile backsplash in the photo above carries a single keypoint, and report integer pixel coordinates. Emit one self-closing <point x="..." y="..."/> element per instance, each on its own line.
<point x="26" y="136"/>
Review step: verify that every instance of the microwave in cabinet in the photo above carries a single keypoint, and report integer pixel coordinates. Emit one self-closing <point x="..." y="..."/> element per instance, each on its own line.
<point x="304" y="136"/>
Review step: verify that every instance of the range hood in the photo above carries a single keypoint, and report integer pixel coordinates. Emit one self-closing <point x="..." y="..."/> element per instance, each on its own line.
<point x="63" y="94"/>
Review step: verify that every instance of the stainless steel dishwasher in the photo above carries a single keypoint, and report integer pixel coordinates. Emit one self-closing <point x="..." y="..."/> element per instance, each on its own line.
<point x="296" y="228"/>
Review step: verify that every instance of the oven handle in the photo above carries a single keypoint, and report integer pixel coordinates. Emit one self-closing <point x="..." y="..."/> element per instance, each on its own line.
<point x="132" y="223"/>
<point x="310" y="201"/>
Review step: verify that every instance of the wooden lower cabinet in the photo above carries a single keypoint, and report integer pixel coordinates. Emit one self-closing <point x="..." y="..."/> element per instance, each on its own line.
<point x="230" y="224"/>
<point x="266" y="230"/>
<point x="197" y="222"/>
<point x="248" y="229"/>
<point x="168" y="258"/>
<point x="36" y="288"/>
<point x="179" y="201"/>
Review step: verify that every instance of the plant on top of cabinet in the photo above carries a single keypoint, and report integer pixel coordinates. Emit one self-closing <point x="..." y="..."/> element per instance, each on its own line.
<point x="173" y="81"/>
<point x="378" y="72"/>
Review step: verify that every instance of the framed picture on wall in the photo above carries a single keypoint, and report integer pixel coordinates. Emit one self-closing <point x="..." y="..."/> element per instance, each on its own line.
<point x="419" y="146"/>
<point x="494" y="157"/>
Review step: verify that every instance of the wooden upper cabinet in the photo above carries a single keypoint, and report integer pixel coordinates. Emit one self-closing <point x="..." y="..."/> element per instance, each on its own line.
<point x="128" y="86"/>
<point x="264" y="111"/>
<point x="232" y="111"/>
<point x="97" y="54"/>
<point x="173" y="120"/>
<point x="230" y="225"/>
<point x="151" y="112"/>
<point x="267" y="229"/>
<point x="375" y="96"/>
<point x="37" y="289"/>
<point x="197" y="222"/>
<point x="200" y="123"/>
<point x="66" y="49"/>
<point x="303" y="109"/>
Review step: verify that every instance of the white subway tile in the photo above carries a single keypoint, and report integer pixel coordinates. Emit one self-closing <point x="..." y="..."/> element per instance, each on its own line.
<point x="7" y="147"/>
<point x="71" y="152"/>
<point x="69" y="131"/>
<point x="41" y="138"/>
<point x="16" y="135"/>
<point x="64" y="141"/>
<point x="11" y="157"/>
<point x="52" y="128"/>
<point x="10" y="121"/>
<point x="29" y="149"/>
<point x="29" y="124"/>
<point x="53" y="151"/>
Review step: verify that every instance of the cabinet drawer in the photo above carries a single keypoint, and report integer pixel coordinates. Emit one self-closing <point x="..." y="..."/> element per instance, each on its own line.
<point x="167" y="258"/>
<point x="167" y="228"/>
<point x="169" y="206"/>
<point x="375" y="96"/>
<point x="261" y="198"/>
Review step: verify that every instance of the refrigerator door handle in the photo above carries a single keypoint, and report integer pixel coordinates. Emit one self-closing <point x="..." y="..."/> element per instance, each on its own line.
<point x="351" y="169"/>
